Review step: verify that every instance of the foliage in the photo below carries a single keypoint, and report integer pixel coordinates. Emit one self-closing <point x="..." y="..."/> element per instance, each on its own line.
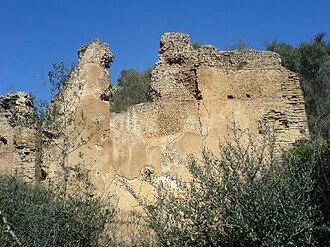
<point x="312" y="61"/>
<point x="317" y="157"/>
<point x="58" y="76"/>
<point x="133" y="87"/>
<point x="247" y="199"/>
<point x="290" y="56"/>
<point x="38" y="218"/>
<point x="61" y="125"/>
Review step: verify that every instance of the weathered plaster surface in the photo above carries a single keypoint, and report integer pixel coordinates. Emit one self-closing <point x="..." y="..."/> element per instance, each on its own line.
<point x="197" y="94"/>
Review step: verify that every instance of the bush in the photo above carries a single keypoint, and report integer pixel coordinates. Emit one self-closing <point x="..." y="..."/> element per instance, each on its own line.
<point x="290" y="56"/>
<point x="247" y="199"/>
<point x="316" y="156"/>
<point x="37" y="218"/>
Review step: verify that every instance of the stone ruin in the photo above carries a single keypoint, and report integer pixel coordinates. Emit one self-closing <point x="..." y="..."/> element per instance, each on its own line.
<point x="17" y="139"/>
<point x="197" y="92"/>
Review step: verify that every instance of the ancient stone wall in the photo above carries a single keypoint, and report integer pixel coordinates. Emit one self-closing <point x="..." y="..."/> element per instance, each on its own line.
<point x="81" y="121"/>
<point x="198" y="94"/>
<point x="17" y="135"/>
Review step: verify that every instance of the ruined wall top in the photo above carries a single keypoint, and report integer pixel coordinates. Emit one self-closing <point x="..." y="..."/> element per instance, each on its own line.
<point x="174" y="45"/>
<point x="176" y="48"/>
<point x="96" y="52"/>
<point x="175" y="74"/>
<point x="12" y="103"/>
<point x="198" y="91"/>
<point x="17" y="135"/>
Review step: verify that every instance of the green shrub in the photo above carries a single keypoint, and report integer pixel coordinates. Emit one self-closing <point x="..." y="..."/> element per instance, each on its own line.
<point x="38" y="218"/>
<point x="133" y="87"/>
<point x="247" y="199"/>
<point x="316" y="156"/>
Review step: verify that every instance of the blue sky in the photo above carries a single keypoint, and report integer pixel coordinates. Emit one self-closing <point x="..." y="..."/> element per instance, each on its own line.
<point x="37" y="33"/>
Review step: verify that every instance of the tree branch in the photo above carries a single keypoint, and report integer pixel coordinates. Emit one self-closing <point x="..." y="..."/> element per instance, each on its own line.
<point x="9" y="230"/>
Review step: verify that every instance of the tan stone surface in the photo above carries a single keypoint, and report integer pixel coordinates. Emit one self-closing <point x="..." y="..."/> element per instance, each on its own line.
<point x="86" y="97"/>
<point x="17" y="136"/>
<point x="198" y="94"/>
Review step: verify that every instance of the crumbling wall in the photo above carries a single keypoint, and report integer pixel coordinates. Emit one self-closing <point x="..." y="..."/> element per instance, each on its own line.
<point x="81" y="121"/>
<point x="17" y="135"/>
<point x="197" y="95"/>
<point x="254" y="90"/>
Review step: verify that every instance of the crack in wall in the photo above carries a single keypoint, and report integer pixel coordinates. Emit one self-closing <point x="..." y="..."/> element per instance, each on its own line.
<point x="202" y="126"/>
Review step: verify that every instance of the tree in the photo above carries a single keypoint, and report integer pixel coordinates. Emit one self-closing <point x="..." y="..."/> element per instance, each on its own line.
<point x="54" y="216"/>
<point x="290" y="56"/>
<point x="44" y="119"/>
<point x="132" y="88"/>
<point x="60" y="128"/>
<point x="315" y="58"/>
<point x="321" y="101"/>
<point x="313" y="55"/>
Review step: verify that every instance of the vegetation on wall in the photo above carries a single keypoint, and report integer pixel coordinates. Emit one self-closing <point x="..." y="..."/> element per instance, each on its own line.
<point x="196" y="45"/>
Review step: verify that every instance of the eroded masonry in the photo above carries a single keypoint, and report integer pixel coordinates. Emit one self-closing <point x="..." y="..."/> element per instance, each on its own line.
<point x="197" y="95"/>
